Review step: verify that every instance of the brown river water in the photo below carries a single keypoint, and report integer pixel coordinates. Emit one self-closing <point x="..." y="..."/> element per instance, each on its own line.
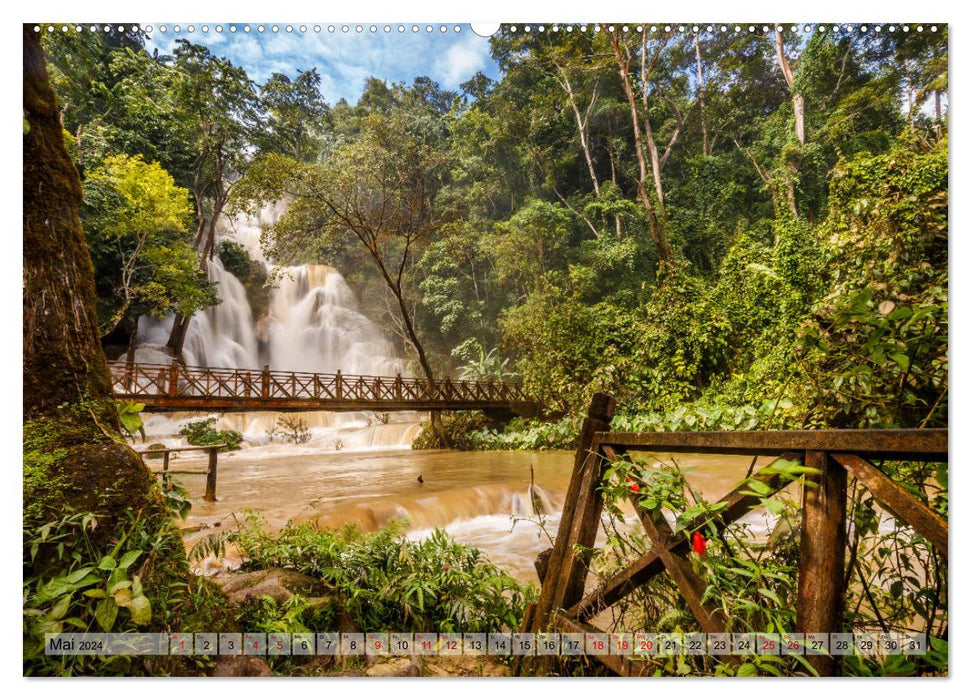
<point x="480" y="498"/>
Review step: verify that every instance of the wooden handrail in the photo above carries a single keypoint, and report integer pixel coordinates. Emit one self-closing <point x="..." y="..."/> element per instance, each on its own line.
<point x="210" y="471"/>
<point x="176" y="387"/>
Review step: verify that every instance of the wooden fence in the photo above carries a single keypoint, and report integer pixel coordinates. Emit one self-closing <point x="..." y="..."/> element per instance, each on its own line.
<point x="210" y="471"/>
<point x="564" y="603"/>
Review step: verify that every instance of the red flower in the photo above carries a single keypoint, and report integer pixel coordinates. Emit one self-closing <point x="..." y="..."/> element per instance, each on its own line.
<point x="698" y="543"/>
<point x="634" y="486"/>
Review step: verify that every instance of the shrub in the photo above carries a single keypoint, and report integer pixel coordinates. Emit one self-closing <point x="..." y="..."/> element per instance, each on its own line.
<point x="202" y="432"/>
<point x="235" y="259"/>
<point x="387" y="581"/>
<point x="291" y="429"/>
<point x="457" y="430"/>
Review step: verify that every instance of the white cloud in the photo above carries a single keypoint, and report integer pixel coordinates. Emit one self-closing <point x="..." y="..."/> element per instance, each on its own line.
<point x="463" y="60"/>
<point x="346" y="60"/>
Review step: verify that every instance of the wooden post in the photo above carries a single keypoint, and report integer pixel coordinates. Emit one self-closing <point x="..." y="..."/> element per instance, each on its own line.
<point x="174" y="378"/>
<point x="211" y="475"/>
<point x="339" y="385"/>
<point x="129" y="370"/>
<point x="397" y="387"/>
<point x="247" y="385"/>
<point x="265" y="383"/>
<point x="567" y="571"/>
<point x="822" y="551"/>
<point x="166" y="479"/>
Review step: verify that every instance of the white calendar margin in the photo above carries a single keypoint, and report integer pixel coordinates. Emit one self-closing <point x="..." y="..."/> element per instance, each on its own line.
<point x="452" y="12"/>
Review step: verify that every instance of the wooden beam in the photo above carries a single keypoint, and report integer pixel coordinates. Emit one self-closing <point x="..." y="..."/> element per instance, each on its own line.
<point x="211" y="475"/>
<point x="566" y="572"/>
<point x="691" y="585"/>
<point x="928" y="445"/>
<point x="166" y="450"/>
<point x="649" y="564"/>
<point x="621" y="665"/>
<point x="822" y="551"/>
<point x="897" y="500"/>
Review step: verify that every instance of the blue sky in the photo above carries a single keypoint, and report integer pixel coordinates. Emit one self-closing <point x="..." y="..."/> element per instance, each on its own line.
<point x="344" y="60"/>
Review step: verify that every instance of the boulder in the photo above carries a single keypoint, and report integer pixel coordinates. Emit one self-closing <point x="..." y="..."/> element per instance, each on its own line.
<point x="279" y="584"/>
<point x="237" y="666"/>
<point x="395" y="668"/>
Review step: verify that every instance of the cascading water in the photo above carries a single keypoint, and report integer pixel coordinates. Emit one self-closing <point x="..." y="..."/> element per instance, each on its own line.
<point x="221" y="336"/>
<point x="313" y="325"/>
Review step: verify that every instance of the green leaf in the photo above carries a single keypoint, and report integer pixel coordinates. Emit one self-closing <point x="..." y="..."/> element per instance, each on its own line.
<point x="76" y="576"/>
<point x="141" y="610"/>
<point x="106" y="613"/>
<point x="107" y="563"/>
<point x="129" y="558"/>
<point x="901" y="359"/>
<point x="60" y="609"/>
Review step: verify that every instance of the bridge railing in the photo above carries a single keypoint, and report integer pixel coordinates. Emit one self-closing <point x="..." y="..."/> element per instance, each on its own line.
<point x="175" y="380"/>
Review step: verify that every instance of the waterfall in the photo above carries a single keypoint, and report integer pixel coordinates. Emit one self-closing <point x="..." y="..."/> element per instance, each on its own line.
<point x="314" y="324"/>
<point x="220" y="336"/>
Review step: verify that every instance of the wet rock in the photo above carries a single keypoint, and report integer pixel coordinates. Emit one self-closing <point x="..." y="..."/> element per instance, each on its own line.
<point x="464" y="666"/>
<point x="395" y="668"/>
<point x="241" y="666"/>
<point x="279" y="584"/>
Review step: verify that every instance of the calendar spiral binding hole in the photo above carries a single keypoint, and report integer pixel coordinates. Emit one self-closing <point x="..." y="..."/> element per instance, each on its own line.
<point x="513" y="28"/>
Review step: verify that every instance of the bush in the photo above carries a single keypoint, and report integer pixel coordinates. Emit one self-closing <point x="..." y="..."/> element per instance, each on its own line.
<point x="235" y="259"/>
<point x="387" y="581"/>
<point x="291" y="429"/>
<point x="457" y="430"/>
<point x="202" y="432"/>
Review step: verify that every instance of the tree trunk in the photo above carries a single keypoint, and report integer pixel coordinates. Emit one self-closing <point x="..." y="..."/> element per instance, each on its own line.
<point x="798" y="103"/>
<point x="180" y="327"/>
<point x="701" y="100"/>
<point x="74" y="458"/>
<point x="63" y="359"/>
<point x="658" y="234"/>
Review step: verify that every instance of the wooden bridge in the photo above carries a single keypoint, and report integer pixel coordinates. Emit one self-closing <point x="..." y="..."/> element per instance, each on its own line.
<point x="174" y="387"/>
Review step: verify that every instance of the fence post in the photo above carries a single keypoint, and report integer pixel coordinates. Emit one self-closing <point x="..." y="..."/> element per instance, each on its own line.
<point x="247" y="385"/>
<point x="166" y="479"/>
<point x="822" y="549"/>
<point x="174" y="378"/>
<point x="265" y="383"/>
<point x="567" y="570"/>
<point x="211" y="475"/>
<point x="129" y="371"/>
<point x="339" y="385"/>
<point x="397" y="387"/>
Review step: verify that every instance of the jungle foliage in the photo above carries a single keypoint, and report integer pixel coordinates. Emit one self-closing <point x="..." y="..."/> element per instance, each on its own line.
<point x="698" y="222"/>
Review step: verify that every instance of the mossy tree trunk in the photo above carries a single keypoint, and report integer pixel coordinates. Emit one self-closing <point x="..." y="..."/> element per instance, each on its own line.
<point x="74" y="457"/>
<point x="63" y="360"/>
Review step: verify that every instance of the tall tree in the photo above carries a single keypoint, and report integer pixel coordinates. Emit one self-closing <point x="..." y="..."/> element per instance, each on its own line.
<point x="74" y="457"/>
<point x="377" y="191"/>
<point x="644" y="136"/>
<point x="217" y="104"/>
<point x="296" y="115"/>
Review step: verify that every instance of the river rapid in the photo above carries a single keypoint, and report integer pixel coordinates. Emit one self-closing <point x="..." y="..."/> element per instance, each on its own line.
<point x="479" y="498"/>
